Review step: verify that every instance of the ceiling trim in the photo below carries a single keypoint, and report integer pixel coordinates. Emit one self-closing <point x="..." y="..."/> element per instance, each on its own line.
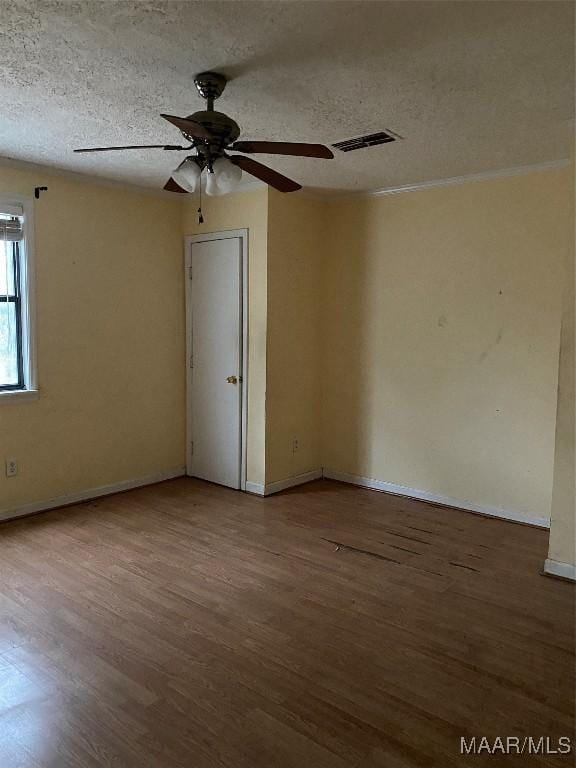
<point x="313" y="192"/>
<point x="454" y="180"/>
<point x="320" y="193"/>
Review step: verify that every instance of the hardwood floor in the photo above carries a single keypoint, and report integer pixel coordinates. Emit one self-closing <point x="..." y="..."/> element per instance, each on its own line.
<point x="185" y="624"/>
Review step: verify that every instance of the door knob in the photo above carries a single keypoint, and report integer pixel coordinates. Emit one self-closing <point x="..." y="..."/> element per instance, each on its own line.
<point x="232" y="380"/>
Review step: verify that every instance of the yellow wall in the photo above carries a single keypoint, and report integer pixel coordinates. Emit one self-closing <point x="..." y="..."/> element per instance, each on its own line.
<point x="296" y="237"/>
<point x="441" y="328"/>
<point x="110" y="331"/>
<point x="245" y="210"/>
<point x="563" y="522"/>
<point x="411" y="338"/>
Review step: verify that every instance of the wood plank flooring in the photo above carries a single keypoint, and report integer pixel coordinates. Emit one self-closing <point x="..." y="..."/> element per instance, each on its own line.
<point x="329" y="626"/>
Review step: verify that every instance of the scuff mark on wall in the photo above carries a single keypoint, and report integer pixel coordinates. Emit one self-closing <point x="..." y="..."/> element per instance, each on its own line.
<point x="488" y="349"/>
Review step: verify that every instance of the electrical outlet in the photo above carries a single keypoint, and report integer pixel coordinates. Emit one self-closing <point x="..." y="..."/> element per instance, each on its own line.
<point x="11" y="467"/>
<point x="295" y="445"/>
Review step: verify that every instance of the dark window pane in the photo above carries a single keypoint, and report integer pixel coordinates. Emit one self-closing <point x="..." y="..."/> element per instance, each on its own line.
<point x="8" y="344"/>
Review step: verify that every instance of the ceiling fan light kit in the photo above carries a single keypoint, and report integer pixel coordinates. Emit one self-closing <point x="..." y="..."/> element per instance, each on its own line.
<point x="222" y="179"/>
<point x="211" y="135"/>
<point x="187" y="174"/>
<point x="226" y="175"/>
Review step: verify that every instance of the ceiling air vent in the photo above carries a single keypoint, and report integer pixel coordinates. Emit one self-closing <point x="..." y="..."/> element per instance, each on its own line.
<point x="363" y="142"/>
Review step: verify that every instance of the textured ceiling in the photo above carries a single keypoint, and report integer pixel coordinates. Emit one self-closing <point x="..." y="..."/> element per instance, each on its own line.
<point x="470" y="86"/>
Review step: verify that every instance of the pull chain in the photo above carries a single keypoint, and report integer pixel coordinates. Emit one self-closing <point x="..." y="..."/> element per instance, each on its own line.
<point x="200" y="217"/>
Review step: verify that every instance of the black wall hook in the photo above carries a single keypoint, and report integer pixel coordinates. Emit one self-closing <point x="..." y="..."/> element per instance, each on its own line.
<point x="37" y="191"/>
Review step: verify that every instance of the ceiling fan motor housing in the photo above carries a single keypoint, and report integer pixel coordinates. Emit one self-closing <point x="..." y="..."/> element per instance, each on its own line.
<point x="223" y="129"/>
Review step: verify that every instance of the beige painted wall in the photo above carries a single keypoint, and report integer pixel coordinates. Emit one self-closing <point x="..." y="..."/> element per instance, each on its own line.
<point x="413" y="339"/>
<point x="441" y="328"/>
<point x="296" y="236"/>
<point x="110" y="320"/>
<point x="245" y="210"/>
<point x="563" y="522"/>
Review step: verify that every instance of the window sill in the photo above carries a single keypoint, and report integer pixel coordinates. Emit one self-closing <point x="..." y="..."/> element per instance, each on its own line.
<point x="17" y="395"/>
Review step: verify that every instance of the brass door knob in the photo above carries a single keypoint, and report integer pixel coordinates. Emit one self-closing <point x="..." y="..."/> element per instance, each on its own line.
<point x="232" y="380"/>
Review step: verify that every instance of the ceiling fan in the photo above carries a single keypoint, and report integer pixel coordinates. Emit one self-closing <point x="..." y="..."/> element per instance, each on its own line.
<point x="211" y="135"/>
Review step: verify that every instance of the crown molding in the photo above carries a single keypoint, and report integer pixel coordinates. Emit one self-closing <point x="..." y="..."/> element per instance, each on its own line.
<point x="316" y="193"/>
<point x="519" y="170"/>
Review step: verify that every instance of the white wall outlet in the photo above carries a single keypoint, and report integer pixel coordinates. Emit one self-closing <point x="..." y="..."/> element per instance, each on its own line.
<point x="295" y="444"/>
<point x="11" y="467"/>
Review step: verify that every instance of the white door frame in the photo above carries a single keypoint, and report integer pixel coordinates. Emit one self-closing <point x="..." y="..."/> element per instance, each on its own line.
<point x="188" y="242"/>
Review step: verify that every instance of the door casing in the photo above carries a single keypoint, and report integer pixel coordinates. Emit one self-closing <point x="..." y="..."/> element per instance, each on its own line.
<point x="242" y="234"/>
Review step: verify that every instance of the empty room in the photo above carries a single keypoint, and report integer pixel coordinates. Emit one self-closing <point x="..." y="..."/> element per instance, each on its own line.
<point x="287" y="410"/>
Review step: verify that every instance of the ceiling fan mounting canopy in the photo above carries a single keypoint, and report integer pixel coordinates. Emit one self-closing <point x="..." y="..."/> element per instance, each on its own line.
<point x="210" y="85"/>
<point x="212" y="135"/>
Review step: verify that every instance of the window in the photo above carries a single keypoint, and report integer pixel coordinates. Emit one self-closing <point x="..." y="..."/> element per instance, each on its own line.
<point x="16" y="365"/>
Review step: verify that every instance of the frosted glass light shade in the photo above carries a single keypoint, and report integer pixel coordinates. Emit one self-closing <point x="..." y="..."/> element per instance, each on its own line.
<point x="187" y="175"/>
<point x="227" y="175"/>
<point x="212" y="187"/>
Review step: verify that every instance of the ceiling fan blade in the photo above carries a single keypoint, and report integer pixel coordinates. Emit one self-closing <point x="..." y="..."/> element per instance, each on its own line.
<point x="132" y="146"/>
<point x="268" y="175"/>
<point x="189" y="127"/>
<point x="283" y="148"/>
<point x="172" y="186"/>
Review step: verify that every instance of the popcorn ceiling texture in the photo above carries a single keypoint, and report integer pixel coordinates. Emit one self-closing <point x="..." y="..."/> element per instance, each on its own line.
<point x="471" y="86"/>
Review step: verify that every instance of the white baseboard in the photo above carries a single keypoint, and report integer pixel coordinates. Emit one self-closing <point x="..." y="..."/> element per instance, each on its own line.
<point x="90" y="493"/>
<point x="257" y="488"/>
<point x="280" y="485"/>
<point x="563" y="570"/>
<point x="552" y="567"/>
<point x="447" y="501"/>
<point x="290" y="482"/>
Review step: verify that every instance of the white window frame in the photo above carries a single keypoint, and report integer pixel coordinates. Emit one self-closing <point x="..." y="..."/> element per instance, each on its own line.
<point x="28" y="303"/>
